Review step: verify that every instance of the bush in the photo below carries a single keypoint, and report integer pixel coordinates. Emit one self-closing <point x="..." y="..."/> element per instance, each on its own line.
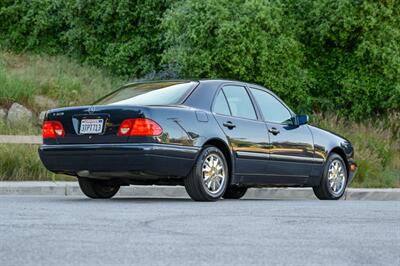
<point x="122" y="36"/>
<point x="353" y="52"/>
<point x="241" y="40"/>
<point x="324" y="55"/>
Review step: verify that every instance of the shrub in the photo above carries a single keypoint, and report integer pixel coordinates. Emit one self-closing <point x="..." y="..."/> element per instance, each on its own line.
<point x="122" y="36"/>
<point x="242" y="40"/>
<point x="352" y="50"/>
<point x="324" y="55"/>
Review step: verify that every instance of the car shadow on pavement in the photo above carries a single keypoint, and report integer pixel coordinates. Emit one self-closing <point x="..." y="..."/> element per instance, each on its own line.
<point x="158" y="200"/>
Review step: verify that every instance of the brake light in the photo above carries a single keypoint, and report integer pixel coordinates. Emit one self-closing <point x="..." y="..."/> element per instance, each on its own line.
<point x="139" y="127"/>
<point x="52" y="129"/>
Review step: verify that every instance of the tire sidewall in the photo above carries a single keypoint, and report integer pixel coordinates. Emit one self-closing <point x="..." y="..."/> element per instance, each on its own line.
<point x="199" y="174"/>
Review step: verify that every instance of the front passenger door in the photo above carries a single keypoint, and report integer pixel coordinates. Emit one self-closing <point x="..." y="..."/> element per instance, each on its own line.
<point x="291" y="147"/>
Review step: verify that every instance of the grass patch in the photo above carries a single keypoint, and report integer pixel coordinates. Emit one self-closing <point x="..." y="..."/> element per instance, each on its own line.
<point x="376" y="145"/>
<point x="29" y="129"/>
<point x="58" y="77"/>
<point x="20" y="162"/>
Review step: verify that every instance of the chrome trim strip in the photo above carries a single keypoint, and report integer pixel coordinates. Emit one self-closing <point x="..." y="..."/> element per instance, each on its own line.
<point x="295" y="158"/>
<point x="319" y="160"/>
<point x="93" y="146"/>
<point x="245" y="154"/>
<point x="252" y="154"/>
<point x="269" y="175"/>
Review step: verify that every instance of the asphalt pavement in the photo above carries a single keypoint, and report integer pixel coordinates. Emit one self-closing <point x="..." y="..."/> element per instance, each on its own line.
<point x="74" y="230"/>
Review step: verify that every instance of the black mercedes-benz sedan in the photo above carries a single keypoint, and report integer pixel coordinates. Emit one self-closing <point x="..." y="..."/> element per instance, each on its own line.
<point x="216" y="137"/>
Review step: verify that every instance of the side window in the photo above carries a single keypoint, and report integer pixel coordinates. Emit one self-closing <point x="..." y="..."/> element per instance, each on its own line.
<point x="239" y="102"/>
<point x="272" y="110"/>
<point x="220" y="105"/>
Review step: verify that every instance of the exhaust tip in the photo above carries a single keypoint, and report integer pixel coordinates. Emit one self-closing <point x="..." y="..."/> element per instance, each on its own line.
<point x="83" y="173"/>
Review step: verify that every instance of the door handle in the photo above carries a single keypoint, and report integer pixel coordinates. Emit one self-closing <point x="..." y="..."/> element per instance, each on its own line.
<point x="229" y="125"/>
<point x="274" y="131"/>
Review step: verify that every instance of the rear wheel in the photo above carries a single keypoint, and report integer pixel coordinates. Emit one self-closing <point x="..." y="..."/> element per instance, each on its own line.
<point x="234" y="192"/>
<point x="209" y="177"/>
<point x="97" y="189"/>
<point x="334" y="180"/>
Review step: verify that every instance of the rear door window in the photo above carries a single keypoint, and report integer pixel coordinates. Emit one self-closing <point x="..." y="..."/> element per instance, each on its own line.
<point x="221" y="105"/>
<point x="239" y="102"/>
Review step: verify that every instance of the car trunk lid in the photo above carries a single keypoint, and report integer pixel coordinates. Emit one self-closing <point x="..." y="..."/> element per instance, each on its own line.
<point x="94" y="124"/>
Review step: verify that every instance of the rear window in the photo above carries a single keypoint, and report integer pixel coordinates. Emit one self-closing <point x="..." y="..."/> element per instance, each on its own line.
<point x="152" y="93"/>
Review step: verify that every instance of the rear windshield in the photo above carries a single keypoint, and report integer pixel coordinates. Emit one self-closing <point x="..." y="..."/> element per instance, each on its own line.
<point x="152" y="93"/>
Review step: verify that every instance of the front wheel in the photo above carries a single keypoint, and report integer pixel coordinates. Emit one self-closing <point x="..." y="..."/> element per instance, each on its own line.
<point x="334" y="179"/>
<point x="97" y="189"/>
<point x="209" y="177"/>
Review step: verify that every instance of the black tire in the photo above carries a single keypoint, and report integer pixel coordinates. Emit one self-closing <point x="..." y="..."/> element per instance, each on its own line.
<point x="323" y="190"/>
<point x="194" y="184"/>
<point x="97" y="189"/>
<point x="234" y="192"/>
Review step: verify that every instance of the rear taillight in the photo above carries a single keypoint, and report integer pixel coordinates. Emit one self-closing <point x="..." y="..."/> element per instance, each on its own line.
<point x="52" y="129"/>
<point x="139" y="127"/>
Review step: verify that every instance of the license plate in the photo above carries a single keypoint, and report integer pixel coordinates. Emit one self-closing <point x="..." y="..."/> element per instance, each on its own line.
<point x="91" y="126"/>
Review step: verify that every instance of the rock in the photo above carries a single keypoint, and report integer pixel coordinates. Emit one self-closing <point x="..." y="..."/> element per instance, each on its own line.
<point x="41" y="117"/>
<point x="3" y="114"/>
<point x="18" y="114"/>
<point x="44" y="102"/>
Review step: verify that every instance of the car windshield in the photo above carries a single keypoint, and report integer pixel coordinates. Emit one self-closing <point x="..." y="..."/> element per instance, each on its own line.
<point x="151" y="93"/>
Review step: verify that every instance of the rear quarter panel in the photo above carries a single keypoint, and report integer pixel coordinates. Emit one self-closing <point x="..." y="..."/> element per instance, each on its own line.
<point x="185" y="126"/>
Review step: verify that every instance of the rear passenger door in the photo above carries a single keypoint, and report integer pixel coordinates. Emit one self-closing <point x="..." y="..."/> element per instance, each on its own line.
<point x="248" y="137"/>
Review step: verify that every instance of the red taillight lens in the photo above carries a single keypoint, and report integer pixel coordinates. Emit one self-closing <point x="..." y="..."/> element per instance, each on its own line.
<point x="52" y="129"/>
<point x="139" y="127"/>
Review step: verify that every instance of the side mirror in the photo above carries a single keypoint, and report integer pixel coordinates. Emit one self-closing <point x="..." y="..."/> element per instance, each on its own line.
<point x="302" y="119"/>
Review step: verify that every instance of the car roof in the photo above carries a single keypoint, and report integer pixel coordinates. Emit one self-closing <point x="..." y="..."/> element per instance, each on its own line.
<point x="210" y="81"/>
<point x="214" y="83"/>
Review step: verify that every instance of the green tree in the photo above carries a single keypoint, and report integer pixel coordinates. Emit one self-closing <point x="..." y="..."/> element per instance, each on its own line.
<point x="244" y="40"/>
<point x="353" y="52"/>
<point x="123" y="36"/>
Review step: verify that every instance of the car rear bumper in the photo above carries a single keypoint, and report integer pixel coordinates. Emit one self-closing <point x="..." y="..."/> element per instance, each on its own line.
<point x="158" y="159"/>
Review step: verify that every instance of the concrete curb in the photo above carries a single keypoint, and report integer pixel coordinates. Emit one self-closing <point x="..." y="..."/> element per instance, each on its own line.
<point x="72" y="189"/>
<point x="14" y="139"/>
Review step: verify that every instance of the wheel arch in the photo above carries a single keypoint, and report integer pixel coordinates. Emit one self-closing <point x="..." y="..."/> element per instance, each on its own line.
<point x="224" y="147"/>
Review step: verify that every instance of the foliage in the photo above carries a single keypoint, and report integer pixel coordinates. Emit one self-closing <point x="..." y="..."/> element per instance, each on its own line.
<point x="21" y="162"/>
<point x="242" y="40"/>
<point x="57" y="77"/>
<point x="341" y="56"/>
<point x="353" y="52"/>
<point x="120" y="35"/>
<point x="324" y="55"/>
<point x="376" y="147"/>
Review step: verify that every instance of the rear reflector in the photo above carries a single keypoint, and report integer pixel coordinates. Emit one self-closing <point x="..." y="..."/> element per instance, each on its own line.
<point x="139" y="127"/>
<point x="52" y="129"/>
